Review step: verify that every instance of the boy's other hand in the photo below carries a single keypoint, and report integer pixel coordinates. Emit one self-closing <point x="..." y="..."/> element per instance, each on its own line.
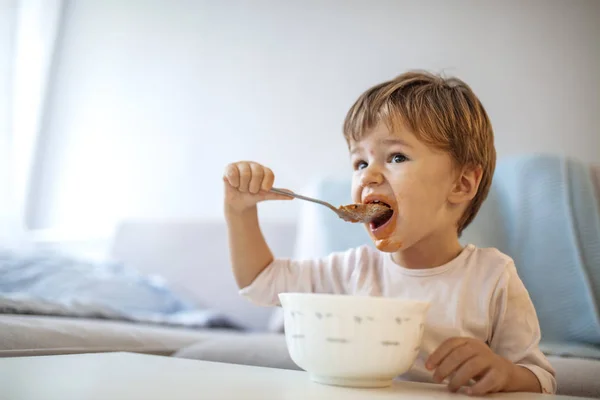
<point x="246" y="184"/>
<point x="462" y="359"/>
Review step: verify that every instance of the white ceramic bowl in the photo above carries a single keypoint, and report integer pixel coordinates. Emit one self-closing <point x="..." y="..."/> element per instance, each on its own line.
<point x="356" y="341"/>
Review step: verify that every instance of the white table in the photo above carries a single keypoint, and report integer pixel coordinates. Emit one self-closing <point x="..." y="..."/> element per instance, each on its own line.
<point x="111" y="376"/>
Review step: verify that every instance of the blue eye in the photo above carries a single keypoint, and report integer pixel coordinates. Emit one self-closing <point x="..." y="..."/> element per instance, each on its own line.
<point x="360" y="165"/>
<point x="399" y="158"/>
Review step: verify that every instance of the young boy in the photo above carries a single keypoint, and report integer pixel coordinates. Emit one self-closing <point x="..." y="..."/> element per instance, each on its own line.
<point x="423" y="145"/>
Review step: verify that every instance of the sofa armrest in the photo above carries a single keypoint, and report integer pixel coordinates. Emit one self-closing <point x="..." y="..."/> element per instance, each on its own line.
<point x="193" y="257"/>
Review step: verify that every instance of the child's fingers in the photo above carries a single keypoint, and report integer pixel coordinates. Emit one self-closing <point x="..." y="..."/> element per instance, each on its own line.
<point x="487" y="384"/>
<point x="469" y="370"/>
<point x="245" y="176"/>
<point x="443" y="351"/>
<point x="256" y="180"/>
<point x="454" y="360"/>
<point x="251" y="177"/>
<point x="268" y="180"/>
<point x="232" y="175"/>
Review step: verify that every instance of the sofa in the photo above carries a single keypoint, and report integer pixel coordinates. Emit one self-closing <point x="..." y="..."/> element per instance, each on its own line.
<point x="192" y="256"/>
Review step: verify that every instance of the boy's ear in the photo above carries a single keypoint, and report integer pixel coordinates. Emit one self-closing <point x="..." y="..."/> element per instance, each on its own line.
<point x="466" y="185"/>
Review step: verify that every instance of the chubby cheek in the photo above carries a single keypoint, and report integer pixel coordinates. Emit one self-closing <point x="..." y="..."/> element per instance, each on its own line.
<point x="414" y="206"/>
<point x="412" y="209"/>
<point x="416" y="193"/>
<point x="405" y="192"/>
<point x="356" y="191"/>
<point x="417" y="212"/>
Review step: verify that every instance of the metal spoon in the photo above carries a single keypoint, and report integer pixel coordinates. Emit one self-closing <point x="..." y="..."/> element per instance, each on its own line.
<point x="364" y="213"/>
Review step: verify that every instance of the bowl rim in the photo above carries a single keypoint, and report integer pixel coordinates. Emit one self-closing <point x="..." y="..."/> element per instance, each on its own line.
<point x="350" y="297"/>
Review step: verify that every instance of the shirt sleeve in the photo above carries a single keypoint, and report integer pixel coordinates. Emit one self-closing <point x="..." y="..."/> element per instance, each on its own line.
<point x="516" y="334"/>
<point x="332" y="274"/>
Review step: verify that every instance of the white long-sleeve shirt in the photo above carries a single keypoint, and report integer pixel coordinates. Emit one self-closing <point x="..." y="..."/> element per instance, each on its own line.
<point x="478" y="294"/>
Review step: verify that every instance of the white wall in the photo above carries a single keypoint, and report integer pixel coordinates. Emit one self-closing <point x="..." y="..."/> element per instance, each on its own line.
<point x="152" y="98"/>
<point x="7" y="19"/>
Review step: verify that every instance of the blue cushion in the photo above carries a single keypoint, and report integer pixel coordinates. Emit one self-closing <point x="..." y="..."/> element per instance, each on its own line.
<point x="552" y="228"/>
<point x="542" y="210"/>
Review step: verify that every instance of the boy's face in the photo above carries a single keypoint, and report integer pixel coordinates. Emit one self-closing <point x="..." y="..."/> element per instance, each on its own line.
<point x="413" y="179"/>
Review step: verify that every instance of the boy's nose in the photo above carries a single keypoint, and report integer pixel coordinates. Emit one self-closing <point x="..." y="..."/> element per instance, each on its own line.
<point x="371" y="177"/>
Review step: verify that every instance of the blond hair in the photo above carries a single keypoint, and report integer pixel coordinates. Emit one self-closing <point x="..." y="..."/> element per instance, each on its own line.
<point x="442" y="112"/>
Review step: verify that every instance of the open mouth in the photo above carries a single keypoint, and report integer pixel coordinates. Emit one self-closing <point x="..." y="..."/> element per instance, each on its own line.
<point x="383" y="218"/>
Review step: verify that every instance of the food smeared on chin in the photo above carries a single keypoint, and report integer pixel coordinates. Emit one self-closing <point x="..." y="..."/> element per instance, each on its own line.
<point x="375" y="213"/>
<point x="388" y="245"/>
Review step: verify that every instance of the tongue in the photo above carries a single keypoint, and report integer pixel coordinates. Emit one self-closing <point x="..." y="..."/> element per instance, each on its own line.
<point x="382" y="219"/>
